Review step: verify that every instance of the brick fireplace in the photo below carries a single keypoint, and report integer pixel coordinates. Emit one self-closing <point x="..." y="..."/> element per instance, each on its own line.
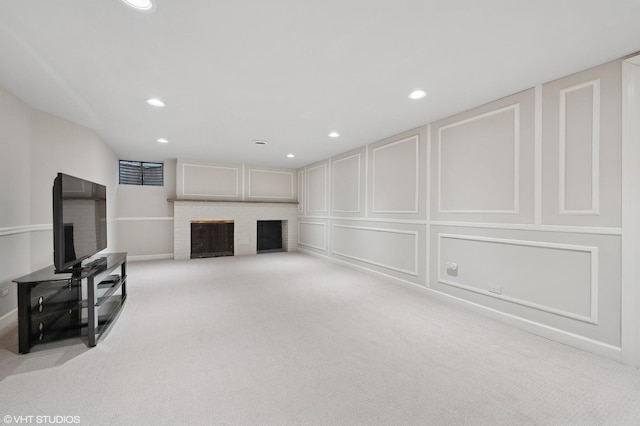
<point x="245" y="216"/>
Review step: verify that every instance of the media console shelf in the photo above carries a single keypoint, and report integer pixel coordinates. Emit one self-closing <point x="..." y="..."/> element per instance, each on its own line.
<point x="51" y="306"/>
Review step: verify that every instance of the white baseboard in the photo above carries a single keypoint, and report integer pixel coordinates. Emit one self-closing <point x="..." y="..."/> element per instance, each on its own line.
<point x="360" y="268"/>
<point x="9" y="320"/>
<point x="143" y="257"/>
<point x="551" y="333"/>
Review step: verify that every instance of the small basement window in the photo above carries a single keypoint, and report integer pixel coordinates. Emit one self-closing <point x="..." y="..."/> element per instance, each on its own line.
<point x="141" y="173"/>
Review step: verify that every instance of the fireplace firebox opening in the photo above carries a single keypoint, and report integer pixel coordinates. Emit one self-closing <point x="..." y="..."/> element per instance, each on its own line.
<point x="270" y="236"/>
<point x="211" y="238"/>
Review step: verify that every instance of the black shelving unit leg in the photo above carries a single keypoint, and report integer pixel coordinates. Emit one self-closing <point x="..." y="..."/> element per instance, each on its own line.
<point x="92" y="312"/>
<point x="77" y="289"/>
<point x="24" y="319"/>
<point x="123" y="276"/>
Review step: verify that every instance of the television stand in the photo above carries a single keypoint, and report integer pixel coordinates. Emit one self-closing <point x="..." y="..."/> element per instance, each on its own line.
<point x="95" y="263"/>
<point x="51" y="305"/>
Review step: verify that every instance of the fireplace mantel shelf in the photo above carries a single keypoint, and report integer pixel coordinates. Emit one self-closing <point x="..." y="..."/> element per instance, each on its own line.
<point x="173" y="200"/>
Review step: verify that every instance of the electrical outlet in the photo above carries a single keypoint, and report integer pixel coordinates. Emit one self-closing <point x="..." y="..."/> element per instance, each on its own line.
<point x="4" y="292"/>
<point x="495" y="289"/>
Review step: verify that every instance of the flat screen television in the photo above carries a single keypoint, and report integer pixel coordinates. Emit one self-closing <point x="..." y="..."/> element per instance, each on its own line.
<point x="79" y="221"/>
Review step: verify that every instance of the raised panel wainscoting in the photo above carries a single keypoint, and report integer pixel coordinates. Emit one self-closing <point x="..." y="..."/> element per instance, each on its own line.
<point x="511" y="208"/>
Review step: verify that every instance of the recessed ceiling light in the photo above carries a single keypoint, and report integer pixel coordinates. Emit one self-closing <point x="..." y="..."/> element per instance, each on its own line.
<point x="144" y="5"/>
<point x="162" y="140"/>
<point x="290" y="156"/>
<point x="155" y="102"/>
<point x="260" y="142"/>
<point x="334" y="134"/>
<point x="417" y="94"/>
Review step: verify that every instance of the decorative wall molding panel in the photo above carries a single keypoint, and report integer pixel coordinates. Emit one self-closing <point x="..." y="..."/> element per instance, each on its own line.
<point x="395" y="174"/>
<point x="346" y="184"/>
<point x="301" y="191"/>
<point x="392" y="249"/>
<point x="558" y="278"/>
<point x="579" y="149"/>
<point x="479" y="163"/>
<point x="317" y="189"/>
<point x="210" y="181"/>
<point x="537" y="157"/>
<point x="271" y="184"/>
<point x="313" y="235"/>
<point x="483" y="163"/>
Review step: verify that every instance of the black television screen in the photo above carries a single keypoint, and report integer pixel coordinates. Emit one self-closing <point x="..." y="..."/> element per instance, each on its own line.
<point x="79" y="220"/>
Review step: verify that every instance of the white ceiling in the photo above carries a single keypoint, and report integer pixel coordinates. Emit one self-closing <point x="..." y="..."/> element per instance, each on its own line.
<point x="291" y="71"/>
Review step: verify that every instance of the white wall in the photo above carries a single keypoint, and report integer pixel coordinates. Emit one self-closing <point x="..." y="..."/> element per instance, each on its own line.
<point x="57" y="146"/>
<point x="145" y="218"/>
<point x="512" y="208"/>
<point x="36" y="146"/>
<point x="15" y="209"/>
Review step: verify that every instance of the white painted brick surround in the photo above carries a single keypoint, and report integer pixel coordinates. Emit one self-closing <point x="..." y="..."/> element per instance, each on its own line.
<point x="245" y="216"/>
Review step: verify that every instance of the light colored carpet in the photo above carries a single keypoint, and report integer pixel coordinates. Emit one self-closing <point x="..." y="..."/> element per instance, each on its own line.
<point x="286" y="338"/>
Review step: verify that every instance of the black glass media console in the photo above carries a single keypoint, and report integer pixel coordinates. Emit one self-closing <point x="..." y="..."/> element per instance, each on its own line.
<point x="51" y="306"/>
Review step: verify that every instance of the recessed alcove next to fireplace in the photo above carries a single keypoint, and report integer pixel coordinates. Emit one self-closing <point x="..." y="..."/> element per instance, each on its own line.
<point x="234" y="227"/>
<point x="272" y="236"/>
